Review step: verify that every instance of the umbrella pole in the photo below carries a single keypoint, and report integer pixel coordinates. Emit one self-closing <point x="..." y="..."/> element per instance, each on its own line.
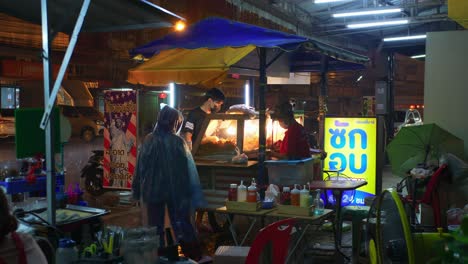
<point x="262" y="118"/>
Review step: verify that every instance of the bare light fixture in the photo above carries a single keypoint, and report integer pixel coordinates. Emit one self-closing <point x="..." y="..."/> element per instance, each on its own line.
<point x="328" y="1"/>
<point x="418" y="56"/>
<point x="171" y="94"/>
<point x="247" y="93"/>
<point x="379" y="23"/>
<point x="405" y="38"/>
<point x="368" y="12"/>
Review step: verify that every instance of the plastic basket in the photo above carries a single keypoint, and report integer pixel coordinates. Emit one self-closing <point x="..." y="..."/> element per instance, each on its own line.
<point x="290" y="172"/>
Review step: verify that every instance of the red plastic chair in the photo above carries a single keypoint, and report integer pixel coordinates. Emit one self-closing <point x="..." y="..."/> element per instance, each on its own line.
<point x="278" y="233"/>
<point x="431" y="196"/>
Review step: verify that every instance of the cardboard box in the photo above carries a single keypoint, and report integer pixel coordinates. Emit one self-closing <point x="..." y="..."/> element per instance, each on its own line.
<point x="243" y="206"/>
<point x="231" y="255"/>
<point x="295" y="210"/>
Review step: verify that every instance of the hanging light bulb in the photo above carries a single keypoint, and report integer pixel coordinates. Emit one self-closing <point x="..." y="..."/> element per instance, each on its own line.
<point x="180" y="25"/>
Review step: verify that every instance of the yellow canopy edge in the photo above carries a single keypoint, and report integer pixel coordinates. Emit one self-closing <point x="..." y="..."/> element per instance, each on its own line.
<point x="458" y="11"/>
<point x="205" y="67"/>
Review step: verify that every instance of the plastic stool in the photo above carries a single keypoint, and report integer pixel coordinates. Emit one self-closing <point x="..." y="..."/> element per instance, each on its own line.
<point x="357" y="213"/>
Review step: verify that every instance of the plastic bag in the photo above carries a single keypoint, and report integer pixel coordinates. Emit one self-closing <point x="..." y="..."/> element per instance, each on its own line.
<point x="242" y="109"/>
<point x="240" y="158"/>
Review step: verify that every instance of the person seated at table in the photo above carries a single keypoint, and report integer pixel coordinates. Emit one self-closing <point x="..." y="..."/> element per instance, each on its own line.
<point x="295" y="144"/>
<point x="16" y="247"/>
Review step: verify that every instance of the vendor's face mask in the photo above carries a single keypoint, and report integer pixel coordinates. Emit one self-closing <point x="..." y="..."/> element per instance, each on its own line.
<point x="216" y="106"/>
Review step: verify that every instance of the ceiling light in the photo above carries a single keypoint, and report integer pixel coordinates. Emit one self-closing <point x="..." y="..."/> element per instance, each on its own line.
<point x="368" y="12"/>
<point x="418" y="56"/>
<point x="380" y="23"/>
<point x="405" y="38"/>
<point x="359" y="78"/>
<point x="328" y="1"/>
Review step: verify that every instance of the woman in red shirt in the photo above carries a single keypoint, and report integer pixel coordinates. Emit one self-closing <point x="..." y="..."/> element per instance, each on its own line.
<point x="295" y="144"/>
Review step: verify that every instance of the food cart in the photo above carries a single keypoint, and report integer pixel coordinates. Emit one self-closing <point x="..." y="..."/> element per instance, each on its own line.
<point x="222" y="137"/>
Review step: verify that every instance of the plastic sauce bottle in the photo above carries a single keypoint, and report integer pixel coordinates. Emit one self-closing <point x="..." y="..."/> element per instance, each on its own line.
<point x="318" y="204"/>
<point x="252" y="192"/>
<point x="295" y="193"/>
<point x="66" y="252"/>
<point x="242" y="192"/>
<point x="304" y="197"/>
<point x="286" y="196"/>
<point x="232" y="193"/>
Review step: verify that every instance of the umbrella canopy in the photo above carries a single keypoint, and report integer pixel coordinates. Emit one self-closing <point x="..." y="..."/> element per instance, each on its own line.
<point x="204" y="67"/>
<point x="214" y="33"/>
<point x="228" y="39"/>
<point x="418" y="144"/>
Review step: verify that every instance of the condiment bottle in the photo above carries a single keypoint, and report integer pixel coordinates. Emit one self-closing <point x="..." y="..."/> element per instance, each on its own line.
<point x="252" y="192"/>
<point x="66" y="252"/>
<point x="318" y="204"/>
<point x="295" y="193"/>
<point x="304" y="197"/>
<point x="286" y="196"/>
<point x="232" y="194"/>
<point x="242" y="192"/>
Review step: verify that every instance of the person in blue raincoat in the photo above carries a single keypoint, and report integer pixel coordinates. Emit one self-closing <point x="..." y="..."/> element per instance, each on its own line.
<point x="166" y="176"/>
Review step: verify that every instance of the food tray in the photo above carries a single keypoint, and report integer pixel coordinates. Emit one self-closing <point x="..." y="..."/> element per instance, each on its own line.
<point x="76" y="214"/>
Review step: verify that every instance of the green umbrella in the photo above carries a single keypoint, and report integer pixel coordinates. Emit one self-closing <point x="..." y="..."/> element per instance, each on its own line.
<point x="418" y="144"/>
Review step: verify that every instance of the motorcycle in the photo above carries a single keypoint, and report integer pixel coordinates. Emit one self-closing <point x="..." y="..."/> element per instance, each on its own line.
<point x="93" y="173"/>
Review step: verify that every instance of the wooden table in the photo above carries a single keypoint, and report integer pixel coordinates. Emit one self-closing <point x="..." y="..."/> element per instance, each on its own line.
<point x="337" y="187"/>
<point x="252" y="214"/>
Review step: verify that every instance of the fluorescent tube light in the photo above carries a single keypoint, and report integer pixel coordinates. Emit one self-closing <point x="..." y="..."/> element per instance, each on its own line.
<point x="327" y="1"/>
<point x="171" y="94"/>
<point x="405" y="38"/>
<point x="418" y="56"/>
<point x="380" y="23"/>
<point x="359" y="78"/>
<point x="368" y="12"/>
<point x="247" y="93"/>
<point x="121" y="89"/>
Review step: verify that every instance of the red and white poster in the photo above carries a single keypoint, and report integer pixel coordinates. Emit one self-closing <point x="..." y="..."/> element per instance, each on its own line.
<point x="120" y="138"/>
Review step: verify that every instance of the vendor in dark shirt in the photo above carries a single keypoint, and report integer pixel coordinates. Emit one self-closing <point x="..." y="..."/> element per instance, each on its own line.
<point x="214" y="99"/>
<point x="295" y="144"/>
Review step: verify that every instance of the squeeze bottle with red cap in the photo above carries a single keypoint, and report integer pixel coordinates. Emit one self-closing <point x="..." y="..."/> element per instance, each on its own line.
<point x="252" y="192"/>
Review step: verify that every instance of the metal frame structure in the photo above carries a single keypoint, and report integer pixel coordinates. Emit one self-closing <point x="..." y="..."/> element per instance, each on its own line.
<point x="15" y="8"/>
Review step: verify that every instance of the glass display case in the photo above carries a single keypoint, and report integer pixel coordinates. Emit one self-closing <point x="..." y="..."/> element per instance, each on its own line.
<point x="222" y="135"/>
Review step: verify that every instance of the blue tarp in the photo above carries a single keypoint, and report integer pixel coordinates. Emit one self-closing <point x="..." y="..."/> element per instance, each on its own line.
<point x="218" y="33"/>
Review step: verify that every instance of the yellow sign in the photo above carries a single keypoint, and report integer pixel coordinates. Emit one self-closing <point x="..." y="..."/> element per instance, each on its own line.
<point x="458" y="11"/>
<point x="351" y="146"/>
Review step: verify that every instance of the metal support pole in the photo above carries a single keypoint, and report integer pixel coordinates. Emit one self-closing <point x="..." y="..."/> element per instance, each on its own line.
<point x="66" y="59"/>
<point x="262" y="118"/>
<point x="49" y="152"/>
<point x="390" y="92"/>
<point x="323" y="97"/>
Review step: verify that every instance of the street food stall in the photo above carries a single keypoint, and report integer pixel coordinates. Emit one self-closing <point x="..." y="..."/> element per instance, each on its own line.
<point x="222" y="140"/>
